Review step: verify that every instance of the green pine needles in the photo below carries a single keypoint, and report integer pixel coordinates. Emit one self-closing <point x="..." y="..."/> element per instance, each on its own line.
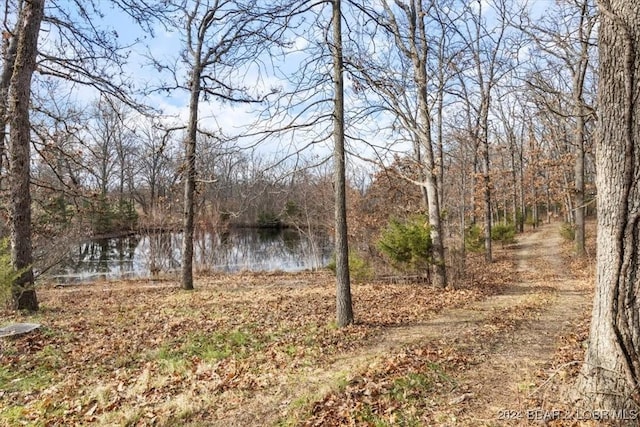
<point x="407" y="243"/>
<point x="7" y="274"/>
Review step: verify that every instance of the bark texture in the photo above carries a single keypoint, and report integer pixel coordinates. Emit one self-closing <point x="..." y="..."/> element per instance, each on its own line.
<point x="190" y="178"/>
<point x="344" y="308"/>
<point x="610" y="377"/>
<point x="23" y="291"/>
<point x="418" y="48"/>
<point x="584" y="34"/>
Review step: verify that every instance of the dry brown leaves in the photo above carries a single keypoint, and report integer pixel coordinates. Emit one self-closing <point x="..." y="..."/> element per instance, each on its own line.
<point x="403" y="389"/>
<point x="148" y="353"/>
<point x="419" y="385"/>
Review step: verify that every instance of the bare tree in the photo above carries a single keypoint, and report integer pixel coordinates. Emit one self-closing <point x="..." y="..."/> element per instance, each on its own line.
<point x="219" y="36"/>
<point x="565" y="42"/>
<point x="610" y="375"/>
<point x="9" y="50"/>
<point x="74" y="52"/>
<point x="104" y="132"/>
<point x="157" y="171"/>
<point x="410" y="98"/>
<point x="303" y="116"/>
<point x="486" y="35"/>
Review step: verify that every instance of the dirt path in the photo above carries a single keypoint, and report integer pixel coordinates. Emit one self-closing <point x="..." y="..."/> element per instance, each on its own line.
<point x="511" y="359"/>
<point x="509" y="372"/>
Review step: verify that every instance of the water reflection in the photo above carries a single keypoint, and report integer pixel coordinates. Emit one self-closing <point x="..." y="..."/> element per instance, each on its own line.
<point x="230" y="251"/>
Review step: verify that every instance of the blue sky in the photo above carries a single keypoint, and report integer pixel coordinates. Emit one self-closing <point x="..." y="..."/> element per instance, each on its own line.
<point x="231" y="118"/>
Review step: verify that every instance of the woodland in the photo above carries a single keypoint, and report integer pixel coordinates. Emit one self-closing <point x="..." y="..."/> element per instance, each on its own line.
<point x="464" y="155"/>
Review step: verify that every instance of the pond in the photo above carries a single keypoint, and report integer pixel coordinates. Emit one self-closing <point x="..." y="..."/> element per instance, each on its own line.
<point x="231" y="251"/>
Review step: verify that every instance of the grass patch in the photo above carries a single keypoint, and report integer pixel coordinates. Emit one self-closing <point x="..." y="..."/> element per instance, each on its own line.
<point x="239" y="343"/>
<point x="121" y="353"/>
<point x="368" y="416"/>
<point x="402" y="393"/>
<point x="17" y="380"/>
<point x="13" y="415"/>
<point x="410" y="386"/>
<point x="568" y="232"/>
<point x="298" y="409"/>
<point x="403" y="403"/>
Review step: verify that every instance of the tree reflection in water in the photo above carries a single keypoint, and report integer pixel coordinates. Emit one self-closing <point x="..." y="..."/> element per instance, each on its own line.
<point x="229" y="251"/>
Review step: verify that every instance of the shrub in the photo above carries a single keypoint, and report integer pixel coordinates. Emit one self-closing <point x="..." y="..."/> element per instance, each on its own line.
<point x="474" y="238"/>
<point x="125" y="215"/>
<point x="291" y="209"/>
<point x="107" y="217"/>
<point x="57" y="210"/>
<point x="568" y="232"/>
<point x="530" y="221"/>
<point x="359" y="268"/>
<point x="407" y="244"/>
<point x="268" y="220"/>
<point x="101" y="216"/>
<point x="504" y="233"/>
<point x="7" y="274"/>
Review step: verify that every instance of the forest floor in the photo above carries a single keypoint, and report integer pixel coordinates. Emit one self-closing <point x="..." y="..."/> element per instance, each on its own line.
<point x="261" y="349"/>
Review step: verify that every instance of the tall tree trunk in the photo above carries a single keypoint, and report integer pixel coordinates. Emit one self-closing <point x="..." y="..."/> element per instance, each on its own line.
<point x="23" y="291"/>
<point x="578" y="89"/>
<point x="424" y="170"/>
<point x="486" y="184"/>
<point x="419" y="46"/>
<point x="439" y="279"/>
<point x="344" y="308"/>
<point x="474" y="182"/>
<point x="190" y="180"/>
<point x="440" y="163"/>
<point x="9" y="59"/>
<point x="463" y="211"/>
<point x="578" y="200"/>
<point x="610" y="376"/>
<point x="522" y="202"/>
<point x="514" y="183"/>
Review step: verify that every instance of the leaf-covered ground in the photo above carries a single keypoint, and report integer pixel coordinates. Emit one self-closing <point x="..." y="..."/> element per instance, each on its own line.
<point x="510" y="362"/>
<point x="261" y="349"/>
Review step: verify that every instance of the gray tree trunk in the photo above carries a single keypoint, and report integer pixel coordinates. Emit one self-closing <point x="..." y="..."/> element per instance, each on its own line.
<point x="578" y="200"/>
<point x="431" y="182"/>
<point x="610" y="376"/>
<point x="23" y="291"/>
<point x="418" y="45"/>
<point x="579" y="105"/>
<point x="9" y="56"/>
<point x="344" y="308"/>
<point x="486" y="177"/>
<point x="190" y="178"/>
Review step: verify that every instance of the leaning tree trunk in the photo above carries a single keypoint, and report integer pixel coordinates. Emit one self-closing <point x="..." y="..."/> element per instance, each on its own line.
<point x="610" y="376"/>
<point x="23" y="291"/>
<point x="344" y="308"/>
<point x="579" y="184"/>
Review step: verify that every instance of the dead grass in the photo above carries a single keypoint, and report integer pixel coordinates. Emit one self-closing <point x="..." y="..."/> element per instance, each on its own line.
<point x="147" y="353"/>
<point x="260" y="349"/>
<point x="509" y="364"/>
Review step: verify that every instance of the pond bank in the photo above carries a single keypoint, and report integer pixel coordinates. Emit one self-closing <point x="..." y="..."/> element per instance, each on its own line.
<point x="232" y="250"/>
